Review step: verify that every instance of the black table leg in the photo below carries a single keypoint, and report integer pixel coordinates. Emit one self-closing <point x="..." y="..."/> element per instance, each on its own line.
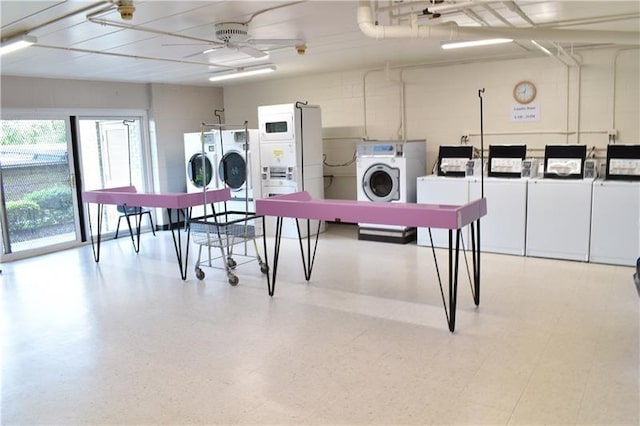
<point x="135" y="240"/>
<point x="95" y="247"/>
<point x="271" y="284"/>
<point x="454" y="262"/>
<point x="177" y="242"/>
<point x="475" y="252"/>
<point x="309" y="257"/>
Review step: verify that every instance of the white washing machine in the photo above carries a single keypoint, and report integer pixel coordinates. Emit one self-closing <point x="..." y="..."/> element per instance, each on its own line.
<point x="503" y="229"/>
<point x="434" y="189"/>
<point x="236" y="169"/>
<point x="200" y="160"/>
<point x="386" y="172"/>
<point x="559" y="218"/>
<point x="615" y="222"/>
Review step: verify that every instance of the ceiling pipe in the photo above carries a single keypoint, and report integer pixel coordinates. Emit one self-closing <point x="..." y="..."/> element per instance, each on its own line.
<point x="452" y="31"/>
<point x="497" y="15"/>
<point x="515" y="8"/>
<point x="94" y="18"/>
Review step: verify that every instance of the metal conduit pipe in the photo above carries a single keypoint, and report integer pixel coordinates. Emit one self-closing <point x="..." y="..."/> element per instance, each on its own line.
<point x="452" y="31"/>
<point x="614" y="69"/>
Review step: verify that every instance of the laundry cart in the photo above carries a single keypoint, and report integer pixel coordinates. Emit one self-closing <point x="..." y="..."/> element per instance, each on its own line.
<point x="230" y="241"/>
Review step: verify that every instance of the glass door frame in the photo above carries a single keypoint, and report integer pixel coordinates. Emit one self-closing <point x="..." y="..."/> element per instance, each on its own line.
<point x="146" y="150"/>
<point x="16" y="115"/>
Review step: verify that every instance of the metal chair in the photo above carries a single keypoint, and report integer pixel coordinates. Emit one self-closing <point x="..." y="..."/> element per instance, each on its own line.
<point x="134" y="211"/>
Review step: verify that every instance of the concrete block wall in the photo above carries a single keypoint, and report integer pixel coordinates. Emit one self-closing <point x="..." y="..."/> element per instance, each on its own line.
<point x="441" y="104"/>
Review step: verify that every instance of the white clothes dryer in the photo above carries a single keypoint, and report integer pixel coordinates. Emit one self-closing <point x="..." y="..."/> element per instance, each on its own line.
<point x="200" y="158"/>
<point x="386" y="172"/>
<point x="235" y="168"/>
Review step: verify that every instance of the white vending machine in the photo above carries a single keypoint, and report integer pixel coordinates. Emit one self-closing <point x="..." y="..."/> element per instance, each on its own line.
<point x="291" y="157"/>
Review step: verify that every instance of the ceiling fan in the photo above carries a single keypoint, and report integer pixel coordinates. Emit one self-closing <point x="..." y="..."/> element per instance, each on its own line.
<point x="235" y="35"/>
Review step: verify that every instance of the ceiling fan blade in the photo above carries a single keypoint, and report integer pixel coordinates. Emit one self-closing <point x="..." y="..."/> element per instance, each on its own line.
<point x="276" y="41"/>
<point x="252" y="51"/>
<point x="202" y="52"/>
<point x="193" y="54"/>
<point x="186" y="44"/>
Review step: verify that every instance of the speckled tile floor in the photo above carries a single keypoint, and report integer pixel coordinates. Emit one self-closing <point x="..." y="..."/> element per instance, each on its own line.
<point x="126" y="341"/>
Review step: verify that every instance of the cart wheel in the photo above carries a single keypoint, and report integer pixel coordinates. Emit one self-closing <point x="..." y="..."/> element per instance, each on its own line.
<point x="233" y="280"/>
<point x="199" y="274"/>
<point x="231" y="263"/>
<point x="264" y="268"/>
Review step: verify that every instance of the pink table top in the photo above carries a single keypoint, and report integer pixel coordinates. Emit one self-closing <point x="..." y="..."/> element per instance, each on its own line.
<point x="128" y="195"/>
<point x="301" y="205"/>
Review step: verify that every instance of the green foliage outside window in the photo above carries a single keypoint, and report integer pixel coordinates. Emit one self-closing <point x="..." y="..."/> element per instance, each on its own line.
<point x="46" y="207"/>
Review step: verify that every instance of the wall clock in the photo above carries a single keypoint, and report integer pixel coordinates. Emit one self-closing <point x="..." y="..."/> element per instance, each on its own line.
<point x="524" y="92"/>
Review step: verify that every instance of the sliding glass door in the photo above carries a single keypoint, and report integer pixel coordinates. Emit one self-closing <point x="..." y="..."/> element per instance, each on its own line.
<point x="46" y="160"/>
<point x="38" y="205"/>
<point x="112" y="155"/>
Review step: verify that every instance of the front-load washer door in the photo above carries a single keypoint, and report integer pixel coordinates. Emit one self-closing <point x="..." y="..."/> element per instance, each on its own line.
<point x="381" y="183"/>
<point x="199" y="171"/>
<point x="232" y="170"/>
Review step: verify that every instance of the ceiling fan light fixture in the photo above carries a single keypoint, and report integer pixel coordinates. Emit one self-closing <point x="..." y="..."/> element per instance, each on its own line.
<point x="242" y="72"/>
<point x="18" y="42"/>
<point x="475" y="43"/>
<point x="126" y="9"/>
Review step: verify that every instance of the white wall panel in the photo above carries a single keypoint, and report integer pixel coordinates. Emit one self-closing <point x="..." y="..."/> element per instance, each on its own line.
<point x="25" y="92"/>
<point x="177" y="110"/>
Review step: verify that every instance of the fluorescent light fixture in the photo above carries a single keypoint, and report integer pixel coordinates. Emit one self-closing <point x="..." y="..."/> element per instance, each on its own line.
<point x="541" y="47"/>
<point x="242" y="72"/>
<point x="15" y="43"/>
<point x="474" y="43"/>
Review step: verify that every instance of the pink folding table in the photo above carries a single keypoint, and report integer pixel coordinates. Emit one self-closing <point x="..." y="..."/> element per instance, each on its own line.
<point x="173" y="202"/>
<point x="300" y="205"/>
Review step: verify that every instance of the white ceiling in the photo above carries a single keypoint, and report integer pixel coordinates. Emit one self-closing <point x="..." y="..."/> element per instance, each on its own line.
<point x="71" y="46"/>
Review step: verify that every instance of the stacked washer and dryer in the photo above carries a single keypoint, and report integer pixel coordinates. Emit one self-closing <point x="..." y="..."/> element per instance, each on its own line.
<point x="386" y="172"/>
<point x="222" y="159"/>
